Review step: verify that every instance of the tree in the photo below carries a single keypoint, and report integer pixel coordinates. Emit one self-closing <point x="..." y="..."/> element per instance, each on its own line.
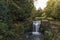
<point x="52" y="9"/>
<point x="15" y="18"/>
<point x="20" y="10"/>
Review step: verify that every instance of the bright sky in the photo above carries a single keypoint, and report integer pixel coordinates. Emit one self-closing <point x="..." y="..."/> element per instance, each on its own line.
<point x="40" y="4"/>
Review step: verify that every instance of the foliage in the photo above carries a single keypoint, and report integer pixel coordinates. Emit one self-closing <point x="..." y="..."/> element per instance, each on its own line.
<point x="52" y="9"/>
<point x="20" y="10"/>
<point x="16" y="17"/>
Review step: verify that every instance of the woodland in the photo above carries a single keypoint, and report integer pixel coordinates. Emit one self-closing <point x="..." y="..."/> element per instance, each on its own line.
<point x="16" y="18"/>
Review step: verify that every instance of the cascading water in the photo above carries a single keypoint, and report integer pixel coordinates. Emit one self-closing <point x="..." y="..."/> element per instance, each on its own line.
<point x="36" y="26"/>
<point x="36" y="35"/>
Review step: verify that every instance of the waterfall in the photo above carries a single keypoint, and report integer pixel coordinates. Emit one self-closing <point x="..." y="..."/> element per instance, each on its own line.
<point x="35" y="34"/>
<point x="36" y="26"/>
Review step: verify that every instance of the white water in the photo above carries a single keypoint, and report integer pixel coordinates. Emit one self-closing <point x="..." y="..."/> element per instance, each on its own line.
<point x="36" y="35"/>
<point x="36" y="26"/>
